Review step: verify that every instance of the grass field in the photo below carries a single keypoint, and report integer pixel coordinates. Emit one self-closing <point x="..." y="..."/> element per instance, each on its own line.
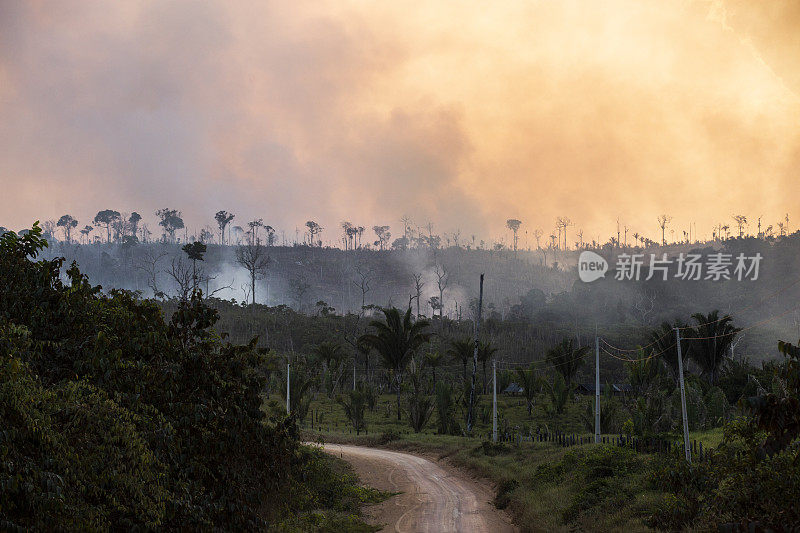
<point x="543" y="485"/>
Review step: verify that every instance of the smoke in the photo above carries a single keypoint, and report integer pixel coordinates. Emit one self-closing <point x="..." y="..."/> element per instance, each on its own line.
<point x="459" y="113"/>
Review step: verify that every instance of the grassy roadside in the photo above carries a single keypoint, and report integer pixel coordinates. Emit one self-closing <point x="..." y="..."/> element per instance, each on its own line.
<point x="330" y="498"/>
<point x="543" y="486"/>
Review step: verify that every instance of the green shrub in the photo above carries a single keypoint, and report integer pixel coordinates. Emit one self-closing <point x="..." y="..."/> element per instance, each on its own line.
<point x="114" y="418"/>
<point x="504" y="491"/>
<point x="737" y="483"/>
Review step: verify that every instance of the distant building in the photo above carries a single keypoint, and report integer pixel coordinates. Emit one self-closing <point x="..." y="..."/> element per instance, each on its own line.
<point x="513" y="389"/>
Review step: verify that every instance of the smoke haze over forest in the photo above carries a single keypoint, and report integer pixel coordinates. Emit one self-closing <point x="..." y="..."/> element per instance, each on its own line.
<point x="459" y="113"/>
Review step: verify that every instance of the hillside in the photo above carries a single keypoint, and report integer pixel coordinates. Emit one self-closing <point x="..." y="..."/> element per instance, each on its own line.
<point x="519" y="288"/>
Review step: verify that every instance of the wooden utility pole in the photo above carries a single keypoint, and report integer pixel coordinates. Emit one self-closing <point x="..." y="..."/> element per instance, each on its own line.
<point x="494" y="400"/>
<point x="288" y="389"/>
<point x="470" y="413"/>
<point x="683" y="399"/>
<point x="597" y="389"/>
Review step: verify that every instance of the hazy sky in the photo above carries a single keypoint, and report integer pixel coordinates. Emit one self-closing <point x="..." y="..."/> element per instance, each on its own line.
<point x="464" y="113"/>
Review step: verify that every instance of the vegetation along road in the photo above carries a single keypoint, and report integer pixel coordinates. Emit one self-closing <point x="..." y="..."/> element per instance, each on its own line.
<point x="431" y="497"/>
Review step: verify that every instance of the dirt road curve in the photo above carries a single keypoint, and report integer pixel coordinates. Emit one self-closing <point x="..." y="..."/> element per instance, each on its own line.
<point x="433" y="498"/>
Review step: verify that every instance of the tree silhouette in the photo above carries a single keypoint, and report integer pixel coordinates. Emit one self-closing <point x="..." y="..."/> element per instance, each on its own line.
<point x="442" y="279"/>
<point x="314" y="229"/>
<point x="663" y="220"/>
<point x="350" y="233"/>
<point x="354" y="404"/>
<point x="711" y="341"/>
<point x="418" y="285"/>
<point x="741" y="222"/>
<point x="67" y="222"/>
<point x="434" y="360"/>
<point x="537" y="234"/>
<point x="253" y="257"/>
<point x="461" y="350"/>
<point x="567" y="359"/>
<point x="223" y="218"/>
<point x="85" y="232"/>
<point x="331" y="355"/>
<point x="134" y="220"/>
<point x="195" y="251"/>
<point x="396" y="339"/>
<point x="529" y="382"/>
<point x="270" y="235"/>
<point x="171" y="221"/>
<point x="383" y="234"/>
<point x="563" y="223"/>
<point x="106" y="218"/>
<point x="513" y="224"/>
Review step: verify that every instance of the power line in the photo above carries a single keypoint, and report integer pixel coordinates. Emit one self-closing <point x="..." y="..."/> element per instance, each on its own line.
<point x="757" y="324"/>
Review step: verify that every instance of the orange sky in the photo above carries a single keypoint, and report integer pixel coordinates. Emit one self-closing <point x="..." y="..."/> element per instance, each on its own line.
<point x="463" y="113"/>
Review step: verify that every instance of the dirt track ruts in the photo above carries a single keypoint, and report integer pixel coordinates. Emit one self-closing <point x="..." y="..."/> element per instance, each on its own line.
<point x="433" y="498"/>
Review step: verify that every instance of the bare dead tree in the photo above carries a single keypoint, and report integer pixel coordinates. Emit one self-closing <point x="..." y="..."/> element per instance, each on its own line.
<point x="442" y="279"/>
<point x="513" y="224"/>
<point x="663" y="220"/>
<point x="563" y="223"/>
<point x="537" y="234"/>
<point x="418" y="284"/>
<point x="181" y="272"/>
<point x="644" y="305"/>
<point x="202" y="278"/>
<point x="741" y="222"/>
<point x="253" y="257"/>
<point x="362" y="281"/>
<point x="148" y="263"/>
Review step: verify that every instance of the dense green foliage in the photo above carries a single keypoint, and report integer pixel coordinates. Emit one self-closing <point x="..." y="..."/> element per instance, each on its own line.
<point x="752" y="479"/>
<point x="113" y="418"/>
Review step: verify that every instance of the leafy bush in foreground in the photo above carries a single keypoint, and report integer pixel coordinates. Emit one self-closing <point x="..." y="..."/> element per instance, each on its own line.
<point x="752" y="480"/>
<point x="112" y="417"/>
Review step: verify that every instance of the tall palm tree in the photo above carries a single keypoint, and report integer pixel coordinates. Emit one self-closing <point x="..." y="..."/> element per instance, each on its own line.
<point x="396" y="339"/>
<point x="330" y="354"/>
<point x="529" y="382"/>
<point x="433" y="360"/>
<point x="461" y="350"/>
<point x="364" y="350"/>
<point x="567" y="359"/>
<point x="485" y="353"/>
<point x="711" y="342"/>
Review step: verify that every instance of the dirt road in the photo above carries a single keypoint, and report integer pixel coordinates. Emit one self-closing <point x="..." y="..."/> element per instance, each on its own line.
<point x="433" y="498"/>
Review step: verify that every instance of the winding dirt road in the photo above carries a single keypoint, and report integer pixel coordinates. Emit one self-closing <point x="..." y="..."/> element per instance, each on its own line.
<point x="432" y="497"/>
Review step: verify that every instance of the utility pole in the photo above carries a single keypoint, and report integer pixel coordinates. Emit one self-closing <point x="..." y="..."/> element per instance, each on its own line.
<point x="683" y="399"/>
<point x="494" y="400"/>
<point x="475" y="361"/>
<point x="288" y="389"/>
<point x="596" y="389"/>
